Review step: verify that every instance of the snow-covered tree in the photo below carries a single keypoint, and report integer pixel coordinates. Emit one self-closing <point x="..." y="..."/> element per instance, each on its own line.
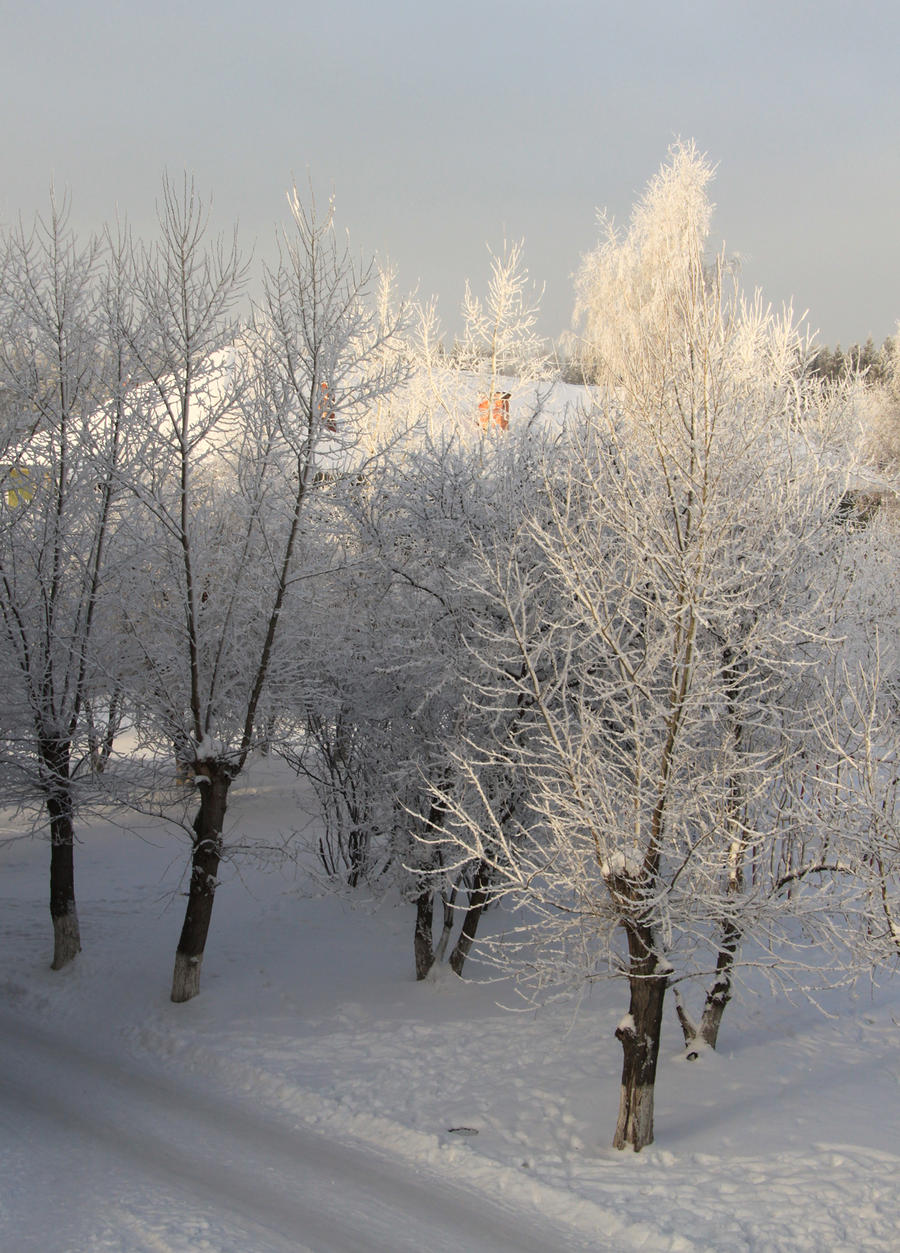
<point x="436" y="507"/>
<point x="861" y="735"/>
<point x="639" y="292"/>
<point x="496" y="368"/>
<point x="454" y="483"/>
<point x="61" y="364"/>
<point x="879" y="405"/>
<point x="665" y="626"/>
<point x="239" y="427"/>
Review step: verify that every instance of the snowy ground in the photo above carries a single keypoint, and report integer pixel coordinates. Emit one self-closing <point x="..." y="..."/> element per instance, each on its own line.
<point x="303" y="1101"/>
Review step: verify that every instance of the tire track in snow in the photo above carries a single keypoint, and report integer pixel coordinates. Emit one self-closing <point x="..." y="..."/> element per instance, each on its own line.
<point x="113" y="1135"/>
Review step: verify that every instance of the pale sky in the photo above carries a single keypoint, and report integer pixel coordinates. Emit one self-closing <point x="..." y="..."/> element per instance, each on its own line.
<point x="443" y="127"/>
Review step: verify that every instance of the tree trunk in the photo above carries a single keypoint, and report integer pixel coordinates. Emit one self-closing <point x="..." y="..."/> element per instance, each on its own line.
<point x="717" y="998"/>
<point x="66" y="935"/>
<point x="357" y="849"/>
<point x="477" y="901"/>
<point x="719" y="994"/>
<point x="689" y="1028"/>
<point x="205" y="858"/>
<point x="422" y="941"/>
<point x="101" y="739"/>
<point x="449" y="904"/>
<point x="639" y="1035"/>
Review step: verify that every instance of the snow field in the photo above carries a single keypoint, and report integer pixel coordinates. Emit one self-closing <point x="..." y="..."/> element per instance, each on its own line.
<point x="788" y="1139"/>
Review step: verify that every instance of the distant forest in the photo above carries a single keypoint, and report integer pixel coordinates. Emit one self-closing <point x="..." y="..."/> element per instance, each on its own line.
<point x="875" y="363"/>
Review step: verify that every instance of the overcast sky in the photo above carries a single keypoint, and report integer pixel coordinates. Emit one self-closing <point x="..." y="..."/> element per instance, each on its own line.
<point x="443" y="127"/>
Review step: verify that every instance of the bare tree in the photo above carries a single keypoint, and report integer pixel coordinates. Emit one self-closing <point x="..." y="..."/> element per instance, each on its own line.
<point x="60" y="374"/>
<point x="236" y="422"/>
<point x="456" y="480"/>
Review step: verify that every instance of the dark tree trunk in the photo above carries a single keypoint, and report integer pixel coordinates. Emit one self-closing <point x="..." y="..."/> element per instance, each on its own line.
<point x="639" y="1036"/>
<point x="205" y="858"/>
<point x="66" y="935"/>
<point x="357" y="849"/>
<point x="689" y="1028"/>
<point x="477" y="900"/>
<point x="422" y="940"/>
<point x="428" y="955"/>
<point x="717" y="997"/>
<point x="449" y="908"/>
<point x="719" y="994"/>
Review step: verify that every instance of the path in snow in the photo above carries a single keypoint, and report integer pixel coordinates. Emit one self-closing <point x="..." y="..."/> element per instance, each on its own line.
<point x="130" y="1160"/>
